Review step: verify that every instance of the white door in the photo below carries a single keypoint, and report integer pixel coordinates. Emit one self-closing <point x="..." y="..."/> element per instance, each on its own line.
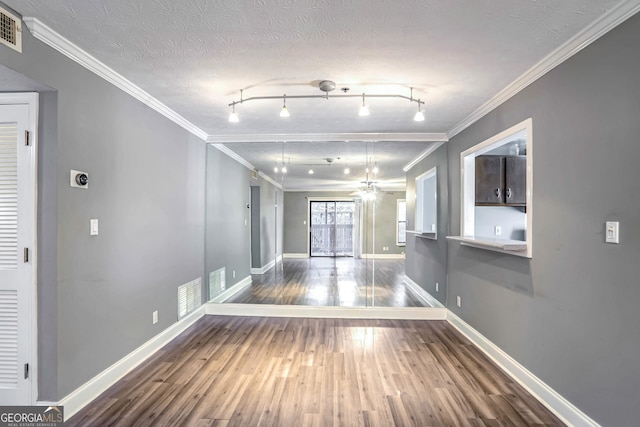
<point x="17" y="235"/>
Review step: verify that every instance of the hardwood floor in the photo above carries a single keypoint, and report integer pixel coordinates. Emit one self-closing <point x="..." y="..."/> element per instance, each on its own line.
<point x="345" y="282"/>
<point x="251" y="371"/>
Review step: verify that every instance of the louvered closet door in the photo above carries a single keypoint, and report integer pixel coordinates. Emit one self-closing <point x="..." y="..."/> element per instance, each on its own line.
<point x="16" y="231"/>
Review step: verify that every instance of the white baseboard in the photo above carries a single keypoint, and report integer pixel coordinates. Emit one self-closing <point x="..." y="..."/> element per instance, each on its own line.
<point x="267" y="267"/>
<point x="269" y="310"/>
<point x="557" y="404"/>
<point x="296" y="255"/>
<point x="382" y="256"/>
<point x="421" y="293"/>
<point x="93" y="388"/>
<point x="264" y="268"/>
<point x="232" y="290"/>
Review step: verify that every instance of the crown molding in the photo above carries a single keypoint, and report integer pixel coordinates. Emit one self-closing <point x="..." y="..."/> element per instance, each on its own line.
<point x="421" y="156"/>
<point x="605" y="23"/>
<point x="270" y="180"/>
<point x="51" y="38"/>
<point x="329" y="137"/>
<point x="234" y="156"/>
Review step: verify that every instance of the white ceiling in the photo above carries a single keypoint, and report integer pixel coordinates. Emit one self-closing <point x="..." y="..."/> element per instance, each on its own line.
<point x="195" y="56"/>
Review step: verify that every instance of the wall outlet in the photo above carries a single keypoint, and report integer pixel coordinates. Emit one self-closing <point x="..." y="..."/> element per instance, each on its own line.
<point x="155" y="317"/>
<point x="233" y="273"/>
<point x="458" y="301"/>
<point x="497" y="230"/>
<point x="437" y="287"/>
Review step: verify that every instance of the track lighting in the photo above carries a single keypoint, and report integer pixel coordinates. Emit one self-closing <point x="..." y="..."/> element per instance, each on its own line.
<point x="419" y="117"/>
<point x="284" y="169"/>
<point x="310" y="171"/>
<point x="364" y="110"/>
<point x="284" y="112"/>
<point x="375" y="169"/>
<point x="326" y="86"/>
<point x="347" y="171"/>
<point x="233" y="117"/>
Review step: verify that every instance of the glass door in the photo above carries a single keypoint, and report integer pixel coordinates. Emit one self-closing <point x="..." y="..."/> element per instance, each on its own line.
<point x="332" y="225"/>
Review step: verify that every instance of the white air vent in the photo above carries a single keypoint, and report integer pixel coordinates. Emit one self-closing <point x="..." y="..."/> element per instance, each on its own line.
<point x="216" y="282"/>
<point x="8" y="196"/>
<point x="189" y="297"/>
<point x="10" y="30"/>
<point x="8" y="339"/>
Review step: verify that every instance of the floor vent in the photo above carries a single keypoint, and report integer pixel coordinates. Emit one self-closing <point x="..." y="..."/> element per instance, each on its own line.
<point x="189" y="297"/>
<point x="217" y="282"/>
<point x="10" y="30"/>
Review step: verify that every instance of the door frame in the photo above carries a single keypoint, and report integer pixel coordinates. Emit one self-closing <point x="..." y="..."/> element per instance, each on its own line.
<point x="31" y="177"/>
<point x="323" y="199"/>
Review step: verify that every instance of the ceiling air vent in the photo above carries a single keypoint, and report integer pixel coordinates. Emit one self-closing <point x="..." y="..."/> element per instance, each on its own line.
<point x="10" y="30"/>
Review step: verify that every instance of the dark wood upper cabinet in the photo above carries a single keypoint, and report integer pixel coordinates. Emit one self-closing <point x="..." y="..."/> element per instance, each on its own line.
<point x="516" y="181"/>
<point x="489" y="180"/>
<point x="501" y="180"/>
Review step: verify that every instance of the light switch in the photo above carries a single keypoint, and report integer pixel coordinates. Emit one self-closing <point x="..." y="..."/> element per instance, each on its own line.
<point x="94" y="227"/>
<point x="612" y="232"/>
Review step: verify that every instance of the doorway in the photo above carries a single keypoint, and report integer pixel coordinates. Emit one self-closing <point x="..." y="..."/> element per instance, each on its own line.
<point x="18" y="114"/>
<point x="331" y="228"/>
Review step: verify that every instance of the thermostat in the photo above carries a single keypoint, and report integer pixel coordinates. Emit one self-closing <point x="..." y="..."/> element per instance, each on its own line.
<point x="79" y="179"/>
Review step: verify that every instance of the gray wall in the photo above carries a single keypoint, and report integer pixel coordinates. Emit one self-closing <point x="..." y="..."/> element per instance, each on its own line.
<point x="256" y="257"/>
<point x="96" y="293"/>
<point x="384" y="231"/>
<point x="266" y="234"/>
<point x="426" y="259"/>
<point x="227" y="217"/>
<point x="296" y="232"/>
<point x="570" y="313"/>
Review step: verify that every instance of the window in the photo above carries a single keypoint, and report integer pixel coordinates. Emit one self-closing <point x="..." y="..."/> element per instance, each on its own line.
<point x="496" y="193"/>
<point x="426" y="204"/>
<point x="401" y="223"/>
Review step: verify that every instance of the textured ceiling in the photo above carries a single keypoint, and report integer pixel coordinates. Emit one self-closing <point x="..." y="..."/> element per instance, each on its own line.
<point x="195" y="56"/>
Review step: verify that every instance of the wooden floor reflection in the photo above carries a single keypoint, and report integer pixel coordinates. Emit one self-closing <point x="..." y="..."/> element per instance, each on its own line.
<point x="344" y="282"/>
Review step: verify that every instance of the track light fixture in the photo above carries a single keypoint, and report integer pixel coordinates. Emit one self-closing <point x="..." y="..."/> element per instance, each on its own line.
<point x="326" y="86"/>
<point x="364" y="110"/>
<point x="419" y="117"/>
<point x="233" y="117"/>
<point x="284" y="112"/>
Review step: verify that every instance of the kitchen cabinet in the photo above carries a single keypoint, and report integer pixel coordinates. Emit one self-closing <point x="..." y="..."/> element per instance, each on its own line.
<point x="501" y="180"/>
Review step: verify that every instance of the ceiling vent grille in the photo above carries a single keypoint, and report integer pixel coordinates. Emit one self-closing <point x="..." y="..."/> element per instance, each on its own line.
<point x="10" y="30"/>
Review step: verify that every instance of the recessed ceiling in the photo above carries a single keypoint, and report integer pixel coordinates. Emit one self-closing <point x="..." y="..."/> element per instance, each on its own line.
<point x="196" y="56"/>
